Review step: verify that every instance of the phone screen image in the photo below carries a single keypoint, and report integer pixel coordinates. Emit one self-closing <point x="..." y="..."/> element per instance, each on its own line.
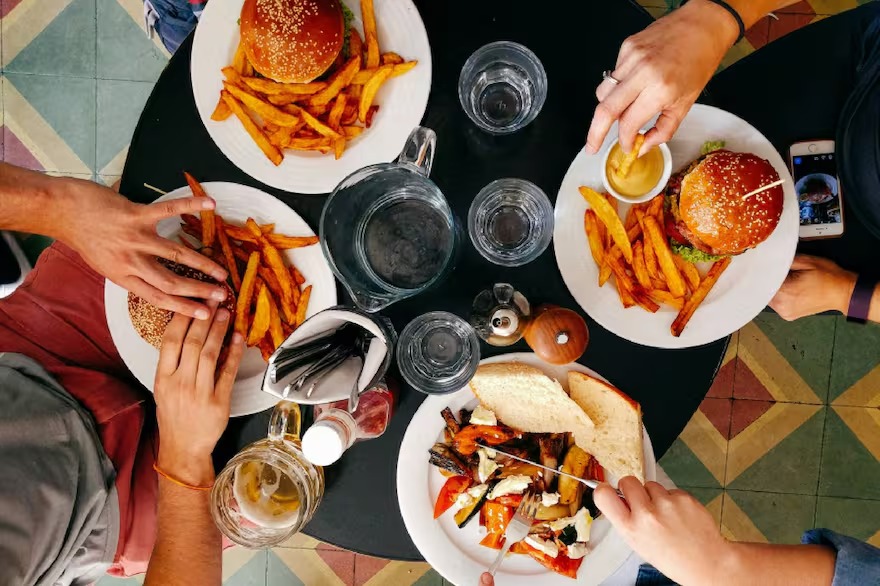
<point x="817" y="188"/>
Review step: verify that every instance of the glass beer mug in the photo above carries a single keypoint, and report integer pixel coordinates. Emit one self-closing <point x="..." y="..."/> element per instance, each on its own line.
<point x="268" y="491"/>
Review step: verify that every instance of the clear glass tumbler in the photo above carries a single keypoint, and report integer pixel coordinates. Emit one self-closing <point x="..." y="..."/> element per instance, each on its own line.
<point x="511" y="222"/>
<point x="438" y="353"/>
<point x="502" y="87"/>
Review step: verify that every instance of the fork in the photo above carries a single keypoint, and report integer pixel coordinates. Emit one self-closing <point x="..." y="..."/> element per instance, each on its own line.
<point x="518" y="528"/>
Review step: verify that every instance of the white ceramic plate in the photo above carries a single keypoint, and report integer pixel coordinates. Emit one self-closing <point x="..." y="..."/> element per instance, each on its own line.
<point x="456" y="553"/>
<point x="745" y="288"/>
<point x="236" y="203"/>
<point x="402" y="100"/>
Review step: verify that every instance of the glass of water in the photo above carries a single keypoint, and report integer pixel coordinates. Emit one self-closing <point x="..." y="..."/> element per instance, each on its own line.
<point x="438" y="353"/>
<point x="511" y="222"/>
<point x="502" y="87"/>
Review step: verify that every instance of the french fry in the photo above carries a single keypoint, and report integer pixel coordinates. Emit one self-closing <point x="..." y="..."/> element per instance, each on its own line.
<point x="645" y="302"/>
<point x="334" y="119"/>
<point x="311" y="144"/>
<point x="371" y="35"/>
<point x="352" y="131"/>
<point x="371" y="113"/>
<point x="297" y="293"/>
<point x="239" y="61"/>
<point x="355" y="42"/>
<point x="604" y="274"/>
<point x="699" y="295"/>
<point x="630" y="158"/>
<point x="609" y="217"/>
<point x="639" y="268"/>
<point x="337" y="82"/>
<point x="338" y="148"/>
<point x="364" y="75"/>
<point x="239" y="233"/>
<point x="689" y="271"/>
<point x="207" y="216"/>
<point x="630" y="219"/>
<point x="666" y="298"/>
<point x="232" y="76"/>
<point x="262" y="317"/>
<point x="221" y="111"/>
<point x="651" y="260"/>
<point x="298" y="277"/>
<point x="370" y="89"/>
<point x="226" y="249"/>
<point x="317" y="111"/>
<point x="269" y="87"/>
<point x="621" y="276"/>
<point x="273" y="259"/>
<point x="303" y="306"/>
<point x="266" y="349"/>
<point x="282" y="242"/>
<point x="253" y="229"/>
<point x="659" y="285"/>
<point x="591" y="227"/>
<point x="276" y="332"/>
<point x="253" y="130"/>
<point x="313" y="122"/>
<point x="267" y="111"/>
<point x="664" y="257"/>
<point x="391" y="58"/>
<point x="245" y="296"/>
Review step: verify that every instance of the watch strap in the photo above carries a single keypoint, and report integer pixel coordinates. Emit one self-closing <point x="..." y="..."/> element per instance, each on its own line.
<point x="860" y="302"/>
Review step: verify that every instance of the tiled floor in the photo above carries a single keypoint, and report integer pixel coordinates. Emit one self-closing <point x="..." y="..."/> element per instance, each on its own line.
<point x="787" y="439"/>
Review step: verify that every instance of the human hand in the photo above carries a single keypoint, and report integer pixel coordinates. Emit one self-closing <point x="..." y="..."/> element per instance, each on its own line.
<point x="813" y="285"/>
<point x="192" y="398"/>
<point x="670" y="529"/>
<point x="662" y="70"/>
<point x="486" y="579"/>
<point x="118" y="239"/>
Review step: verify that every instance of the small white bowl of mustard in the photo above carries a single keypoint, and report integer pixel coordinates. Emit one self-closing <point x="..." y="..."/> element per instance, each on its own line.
<point x="646" y="179"/>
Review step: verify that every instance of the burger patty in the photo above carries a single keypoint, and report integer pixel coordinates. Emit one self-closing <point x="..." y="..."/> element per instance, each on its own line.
<point x="676" y="229"/>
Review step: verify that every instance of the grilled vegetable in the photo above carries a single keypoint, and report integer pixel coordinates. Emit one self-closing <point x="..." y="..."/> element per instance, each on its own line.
<point x="514" y="468"/>
<point x="467" y="513"/>
<point x="551" y="513"/>
<point x="451" y="423"/>
<point x="569" y="535"/>
<point x="450" y="492"/>
<point x="465" y="441"/>
<point x="575" y="463"/>
<point x="465" y="417"/>
<point x="551" y="447"/>
<point x="444" y="458"/>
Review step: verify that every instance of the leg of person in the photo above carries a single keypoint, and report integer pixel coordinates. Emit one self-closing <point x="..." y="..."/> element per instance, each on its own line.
<point x="795" y="89"/>
<point x="57" y="318"/>
<point x="173" y="20"/>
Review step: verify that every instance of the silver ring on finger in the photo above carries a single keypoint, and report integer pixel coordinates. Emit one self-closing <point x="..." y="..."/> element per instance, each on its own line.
<point x="606" y="76"/>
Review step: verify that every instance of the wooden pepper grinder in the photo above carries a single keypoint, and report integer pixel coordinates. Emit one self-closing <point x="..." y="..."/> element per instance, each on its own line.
<point x="557" y="335"/>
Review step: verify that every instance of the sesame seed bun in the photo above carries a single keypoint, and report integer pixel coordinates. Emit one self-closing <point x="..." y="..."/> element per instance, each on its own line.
<point x="150" y="321"/>
<point x="292" y="41"/>
<point x="712" y="207"/>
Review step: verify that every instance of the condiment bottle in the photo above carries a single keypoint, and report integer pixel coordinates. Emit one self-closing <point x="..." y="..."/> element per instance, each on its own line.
<point x="334" y="429"/>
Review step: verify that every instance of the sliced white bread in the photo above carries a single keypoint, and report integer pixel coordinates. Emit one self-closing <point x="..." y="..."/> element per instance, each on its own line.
<point x="616" y="439"/>
<point x="526" y="399"/>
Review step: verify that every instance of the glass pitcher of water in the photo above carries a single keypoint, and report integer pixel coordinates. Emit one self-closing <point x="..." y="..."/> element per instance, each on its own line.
<point x="387" y="230"/>
<point x="268" y="491"/>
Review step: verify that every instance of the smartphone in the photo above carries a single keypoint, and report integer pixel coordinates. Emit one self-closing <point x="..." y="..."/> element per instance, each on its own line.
<point x="820" y="198"/>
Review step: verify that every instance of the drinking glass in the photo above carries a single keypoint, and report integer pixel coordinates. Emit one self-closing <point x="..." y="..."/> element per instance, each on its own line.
<point x="502" y="87"/>
<point x="438" y="353"/>
<point x="511" y="222"/>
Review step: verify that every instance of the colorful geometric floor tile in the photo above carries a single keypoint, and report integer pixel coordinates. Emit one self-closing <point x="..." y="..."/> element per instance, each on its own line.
<point x="767" y="516"/>
<point x="850" y="464"/>
<point x="855" y="368"/>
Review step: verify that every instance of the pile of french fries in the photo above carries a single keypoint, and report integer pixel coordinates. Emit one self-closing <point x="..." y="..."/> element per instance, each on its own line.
<point x="270" y="299"/>
<point x="636" y="252"/>
<point x="319" y="116"/>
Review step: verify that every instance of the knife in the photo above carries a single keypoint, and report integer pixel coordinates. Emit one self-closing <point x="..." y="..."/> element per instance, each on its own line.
<point x="588" y="483"/>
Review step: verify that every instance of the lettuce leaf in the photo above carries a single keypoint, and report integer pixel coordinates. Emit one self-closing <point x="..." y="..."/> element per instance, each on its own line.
<point x="712" y="145"/>
<point x="348" y="16"/>
<point x="691" y="254"/>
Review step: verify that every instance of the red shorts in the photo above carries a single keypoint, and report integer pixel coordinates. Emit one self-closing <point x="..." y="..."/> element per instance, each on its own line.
<point x="57" y="318"/>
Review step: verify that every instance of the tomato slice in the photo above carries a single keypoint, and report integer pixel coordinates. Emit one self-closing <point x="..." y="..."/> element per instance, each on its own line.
<point x="672" y="231"/>
<point x="595" y="470"/>
<point x="449" y="493"/>
<point x="465" y="441"/>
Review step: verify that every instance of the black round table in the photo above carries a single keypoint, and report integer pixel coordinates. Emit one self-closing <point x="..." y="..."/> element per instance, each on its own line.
<point x="575" y="43"/>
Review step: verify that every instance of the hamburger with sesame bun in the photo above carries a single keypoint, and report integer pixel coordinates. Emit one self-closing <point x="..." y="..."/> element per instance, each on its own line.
<point x="150" y="321"/>
<point x="292" y="41"/>
<point x="709" y="218"/>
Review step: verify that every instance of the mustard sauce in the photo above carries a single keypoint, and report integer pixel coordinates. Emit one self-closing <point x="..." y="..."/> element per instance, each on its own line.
<point x="643" y="176"/>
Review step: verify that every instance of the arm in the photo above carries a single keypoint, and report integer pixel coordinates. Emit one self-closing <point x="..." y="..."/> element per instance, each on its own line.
<point x="675" y="533"/>
<point x="192" y="411"/>
<point x="114" y="236"/>
<point x="815" y="285"/>
<point x="663" y="69"/>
